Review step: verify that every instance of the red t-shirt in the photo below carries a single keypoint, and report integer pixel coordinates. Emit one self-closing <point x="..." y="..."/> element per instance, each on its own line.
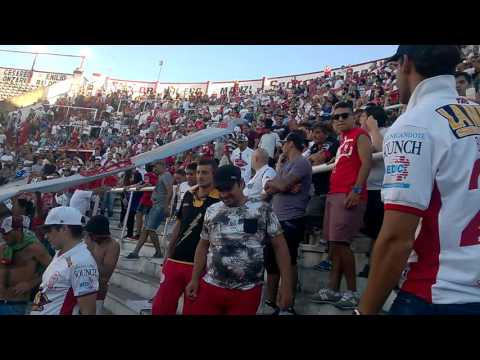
<point x="347" y="164"/>
<point x="151" y="179"/>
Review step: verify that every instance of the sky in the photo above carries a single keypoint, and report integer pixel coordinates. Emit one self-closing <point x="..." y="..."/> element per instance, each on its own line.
<point x="194" y="63"/>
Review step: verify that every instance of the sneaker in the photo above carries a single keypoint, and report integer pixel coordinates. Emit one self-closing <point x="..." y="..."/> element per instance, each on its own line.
<point x="289" y="311"/>
<point x="325" y="265"/>
<point x="132" y="256"/>
<point x="364" y="272"/>
<point x="271" y="304"/>
<point x="326" y="296"/>
<point x="349" y="301"/>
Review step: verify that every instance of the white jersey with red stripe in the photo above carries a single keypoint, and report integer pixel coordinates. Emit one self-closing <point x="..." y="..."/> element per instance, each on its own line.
<point x="432" y="168"/>
<point x="70" y="275"/>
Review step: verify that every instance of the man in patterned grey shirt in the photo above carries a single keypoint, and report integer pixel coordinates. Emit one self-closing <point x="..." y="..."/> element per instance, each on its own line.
<point x="231" y="248"/>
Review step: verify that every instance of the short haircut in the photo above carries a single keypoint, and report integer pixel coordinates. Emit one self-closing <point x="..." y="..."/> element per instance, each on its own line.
<point x="180" y="172"/>
<point x="378" y="113"/>
<point x="344" y="105"/>
<point x="149" y="167"/>
<point x="76" y="230"/>
<point x="208" y="162"/>
<point x="442" y="60"/>
<point x="27" y="206"/>
<point x="465" y="75"/>
<point x="323" y="128"/>
<point x="263" y="155"/>
<point x="192" y="166"/>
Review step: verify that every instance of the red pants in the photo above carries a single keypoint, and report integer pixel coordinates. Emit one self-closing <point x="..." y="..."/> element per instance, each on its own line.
<point x="214" y="300"/>
<point x="175" y="280"/>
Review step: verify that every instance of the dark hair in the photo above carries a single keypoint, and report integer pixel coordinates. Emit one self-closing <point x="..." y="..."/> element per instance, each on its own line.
<point x="344" y="105"/>
<point x="192" y="166"/>
<point x="76" y="230"/>
<point x="465" y="75"/>
<point x="378" y="113"/>
<point x="327" y="130"/>
<point x="149" y="167"/>
<point x="208" y="162"/>
<point x="180" y="172"/>
<point x="441" y="60"/>
<point x="268" y="123"/>
<point x="298" y="138"/>
<point x="27" y="206"/>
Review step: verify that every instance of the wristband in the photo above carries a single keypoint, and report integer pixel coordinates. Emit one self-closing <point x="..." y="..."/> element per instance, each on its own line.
<point x="357" y="189"/>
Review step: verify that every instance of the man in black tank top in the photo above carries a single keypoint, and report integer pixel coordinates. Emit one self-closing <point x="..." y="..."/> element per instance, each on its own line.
<point x="178" y="264"/>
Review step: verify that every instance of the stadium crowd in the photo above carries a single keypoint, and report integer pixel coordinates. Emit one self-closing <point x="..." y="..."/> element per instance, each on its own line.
<point x="285" y="131"/>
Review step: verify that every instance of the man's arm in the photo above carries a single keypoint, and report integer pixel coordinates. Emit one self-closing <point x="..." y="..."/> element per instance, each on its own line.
<point x="364" y="147"/>
<point x="390" y="255"/>
<point x="169" y="187"/>
<point x="282" y="256"/>
<point x="284" y="184"/>
<point x="200" y="261"/>
<point x="318" y="158"/>
<point x="173" y="239"/>
<point x="87" y="304"/>
<point x="109" y="263"/>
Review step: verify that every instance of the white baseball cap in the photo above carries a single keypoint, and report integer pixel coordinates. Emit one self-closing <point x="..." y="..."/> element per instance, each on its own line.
<point x="64" y="215"/>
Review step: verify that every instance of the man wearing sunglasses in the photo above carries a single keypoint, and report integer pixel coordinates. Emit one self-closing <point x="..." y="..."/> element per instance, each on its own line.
<point x="72" y="277"/>
<point x="345" y="207"/>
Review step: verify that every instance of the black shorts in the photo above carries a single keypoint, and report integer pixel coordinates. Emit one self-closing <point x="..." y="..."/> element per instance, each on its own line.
<point x="294" y="233"/>
<point x="373" y="217"/>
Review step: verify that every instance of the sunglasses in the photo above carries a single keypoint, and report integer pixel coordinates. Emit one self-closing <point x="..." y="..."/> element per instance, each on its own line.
<point x="338" y="116"/>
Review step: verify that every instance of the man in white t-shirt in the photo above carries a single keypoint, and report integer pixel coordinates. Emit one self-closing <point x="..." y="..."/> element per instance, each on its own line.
<point x="431" y="192"/>
<point x="71" y="279"/>
<point x="256" y="186"/>
<point x="242" y="157"/>
<point x="270" y="141"/>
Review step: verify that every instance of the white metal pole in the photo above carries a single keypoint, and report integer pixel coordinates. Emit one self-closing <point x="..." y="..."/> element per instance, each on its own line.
<point x="125" y="220"/>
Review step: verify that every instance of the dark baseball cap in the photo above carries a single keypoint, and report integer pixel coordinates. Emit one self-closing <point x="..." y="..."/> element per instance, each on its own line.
<point x="297" y="138"/>
<point x="450" y="54"/>
<point x="98" y="225"/>
<point x="226" y="177"/>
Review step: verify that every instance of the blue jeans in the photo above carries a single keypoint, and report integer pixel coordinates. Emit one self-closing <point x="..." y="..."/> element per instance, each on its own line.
<point x="107" y="203"/>
<point x="13" y="309"/>
<point x="154" y="218"/>
<point x="409" y="304"/>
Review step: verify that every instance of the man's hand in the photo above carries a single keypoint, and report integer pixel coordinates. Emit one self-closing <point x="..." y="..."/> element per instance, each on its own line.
<point x="22" y="288"/>
<point x="285" y="297"/>
<point x="269" y="189"/>
<point x="296" y="188"/>
<point x="192" y="289"/>
<point x="352" y="200"/>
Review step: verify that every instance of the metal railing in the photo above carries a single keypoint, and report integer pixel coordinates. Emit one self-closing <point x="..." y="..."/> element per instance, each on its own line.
<point x="315" y="169"/>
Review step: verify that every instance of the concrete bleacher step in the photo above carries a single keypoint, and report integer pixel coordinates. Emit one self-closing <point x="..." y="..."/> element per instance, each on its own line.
<point x="136" y="282"/>
<point x="144" y="265"/>
<point x="120" y="301"/>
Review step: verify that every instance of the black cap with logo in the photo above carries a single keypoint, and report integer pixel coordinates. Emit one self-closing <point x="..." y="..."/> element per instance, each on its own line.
<point x="226" y="177"/>
<point x="443" y="54"/>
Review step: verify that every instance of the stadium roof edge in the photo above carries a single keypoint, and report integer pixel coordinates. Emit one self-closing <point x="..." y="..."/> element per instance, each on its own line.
<point x="229" y="81"/>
